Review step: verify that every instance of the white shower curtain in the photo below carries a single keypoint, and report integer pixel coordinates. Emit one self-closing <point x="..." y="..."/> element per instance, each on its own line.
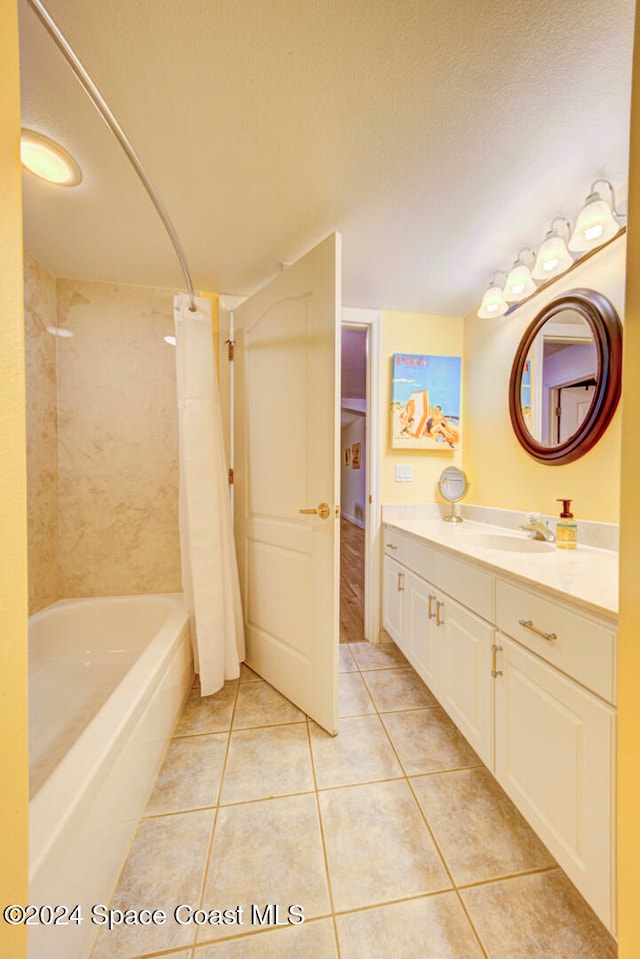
<point x="209" y="568"/>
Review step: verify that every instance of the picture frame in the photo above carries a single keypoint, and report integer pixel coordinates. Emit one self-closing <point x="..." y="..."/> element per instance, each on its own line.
<point x="346" y="456"/>
<point x="425" y="402"/>
<point x="355" y="456"/>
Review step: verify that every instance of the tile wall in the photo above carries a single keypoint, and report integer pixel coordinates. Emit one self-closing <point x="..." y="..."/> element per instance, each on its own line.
<point x="103" y="459"/>
<point x="42" y="434"/>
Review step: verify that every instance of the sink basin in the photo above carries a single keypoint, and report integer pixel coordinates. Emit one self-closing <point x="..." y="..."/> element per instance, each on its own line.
<point x="506" y="543"/>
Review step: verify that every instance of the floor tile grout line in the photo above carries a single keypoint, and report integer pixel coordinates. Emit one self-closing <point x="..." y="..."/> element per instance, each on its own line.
<point x="207" y="864"/>
<point x="323" y="839"/>
<point x="426" y="822"/>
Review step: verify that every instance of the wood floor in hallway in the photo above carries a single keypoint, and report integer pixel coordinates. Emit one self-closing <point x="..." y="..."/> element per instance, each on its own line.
<point x="351" y="582"/>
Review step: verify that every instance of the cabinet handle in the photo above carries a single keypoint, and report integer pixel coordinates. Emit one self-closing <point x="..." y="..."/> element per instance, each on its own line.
<point x="391" y="546"/>
<point x="439" y="606"/>
<point x="494" y="660"/>
<point x="431" y="612"/>
<point x="401" y="582"/>
<point x="528" y="624"/>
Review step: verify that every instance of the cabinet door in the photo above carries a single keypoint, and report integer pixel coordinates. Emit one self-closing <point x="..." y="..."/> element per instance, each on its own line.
<point x="554" y="757"/>
<point x="421" y="630"/>
<point x="393" y="576"/>
<point x="465" y="681"/>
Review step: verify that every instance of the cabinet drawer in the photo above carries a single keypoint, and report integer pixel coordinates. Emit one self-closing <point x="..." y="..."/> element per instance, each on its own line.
<point x="469" y="585"/>
<point x="582" y="648"/>
<point x="423" y="560"/>
<point x="395" y="545"/>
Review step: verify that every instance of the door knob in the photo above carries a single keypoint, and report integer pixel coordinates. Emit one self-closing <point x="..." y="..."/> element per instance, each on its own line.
<point x="322" y="511"/>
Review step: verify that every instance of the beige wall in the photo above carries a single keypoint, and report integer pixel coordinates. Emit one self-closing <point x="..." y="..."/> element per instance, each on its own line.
<point x="118" y="449"/>
<point x="14" y="794"/>
<point x="42" y="434"/>
<point x="428" y="335"/>
<point x="500" y="472"/>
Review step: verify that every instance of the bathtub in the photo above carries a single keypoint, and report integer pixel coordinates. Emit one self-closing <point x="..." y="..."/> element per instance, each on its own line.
<point x="107" y="680"/>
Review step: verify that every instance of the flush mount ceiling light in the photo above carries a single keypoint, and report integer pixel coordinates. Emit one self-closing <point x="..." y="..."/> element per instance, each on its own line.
<point x="519" y="283"/>
<point x="553" y="256"/>
<point x="595" y="224"/>
<point x="493" y="302"/>
<point x="48" y="160"/>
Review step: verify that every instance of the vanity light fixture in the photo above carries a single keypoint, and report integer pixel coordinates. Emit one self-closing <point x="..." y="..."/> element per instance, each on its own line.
<point x="553" y="256"/>
<point x="595" y="224"/>
<point x="60" y="331"/>
<point x="519" y="282"/>
<point x="48" y="160"/>
<point x="493" y="301"/>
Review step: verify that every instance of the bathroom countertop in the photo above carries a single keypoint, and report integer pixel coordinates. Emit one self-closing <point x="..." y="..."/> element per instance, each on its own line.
<point x="586" y="577"/>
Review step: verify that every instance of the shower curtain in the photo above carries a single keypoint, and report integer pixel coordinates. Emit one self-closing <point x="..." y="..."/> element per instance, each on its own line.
<point x="209" y="569"/>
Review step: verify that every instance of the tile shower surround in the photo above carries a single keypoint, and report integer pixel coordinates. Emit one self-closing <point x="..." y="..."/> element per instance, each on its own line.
<point x="102" y="437"/>
<point x="393" y="836"/>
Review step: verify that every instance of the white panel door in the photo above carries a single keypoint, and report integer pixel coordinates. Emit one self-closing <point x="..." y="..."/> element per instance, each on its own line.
<point x="287" y="432"/>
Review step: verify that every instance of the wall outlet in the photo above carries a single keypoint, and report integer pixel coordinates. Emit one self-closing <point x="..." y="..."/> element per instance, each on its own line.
<point x="404" y="474"/>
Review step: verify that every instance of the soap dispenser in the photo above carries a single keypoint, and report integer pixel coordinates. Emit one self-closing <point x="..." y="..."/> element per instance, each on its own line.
<point x="566" y="527"/>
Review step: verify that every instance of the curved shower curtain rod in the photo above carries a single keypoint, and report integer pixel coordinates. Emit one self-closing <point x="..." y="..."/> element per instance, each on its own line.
<point x="101" y="106"/>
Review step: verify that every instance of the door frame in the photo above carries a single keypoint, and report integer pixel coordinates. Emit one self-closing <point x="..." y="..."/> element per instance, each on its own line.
<point x="371" y="321"/>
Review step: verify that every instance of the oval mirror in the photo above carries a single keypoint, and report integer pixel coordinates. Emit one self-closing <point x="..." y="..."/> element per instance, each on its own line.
<point x="453" y="485"/>
<point x="566" y="377"/>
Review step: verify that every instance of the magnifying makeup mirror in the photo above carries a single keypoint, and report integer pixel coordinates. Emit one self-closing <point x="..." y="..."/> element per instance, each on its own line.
<point x="453" y="486"/>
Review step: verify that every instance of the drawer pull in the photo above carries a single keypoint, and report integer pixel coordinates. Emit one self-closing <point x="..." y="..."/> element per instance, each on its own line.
<point x="495" y="672"/>
<point x="528" y="624"/>
<point x="439" y="606"/>
<point x="401" y="582"/>
<point x="431" y="612"/>
<point x="391" y="546"/>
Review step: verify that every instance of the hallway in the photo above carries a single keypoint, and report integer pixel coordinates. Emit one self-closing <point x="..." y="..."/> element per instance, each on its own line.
<point x="392" y="837"/>
<point x="351" y="582"/>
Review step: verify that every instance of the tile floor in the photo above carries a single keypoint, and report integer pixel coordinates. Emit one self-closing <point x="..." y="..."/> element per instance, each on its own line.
<point x="392" y="837"/>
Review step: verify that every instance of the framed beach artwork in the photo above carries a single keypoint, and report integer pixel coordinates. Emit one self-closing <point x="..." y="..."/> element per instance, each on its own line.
<point x="425" y="402"/>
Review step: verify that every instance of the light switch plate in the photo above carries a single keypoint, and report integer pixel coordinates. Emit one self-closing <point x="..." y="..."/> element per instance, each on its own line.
<point x="404" y="473"/>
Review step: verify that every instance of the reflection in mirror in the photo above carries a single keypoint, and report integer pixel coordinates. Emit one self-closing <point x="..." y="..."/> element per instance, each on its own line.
<point x="566" y="377"/>
<point x="559" y="378"/>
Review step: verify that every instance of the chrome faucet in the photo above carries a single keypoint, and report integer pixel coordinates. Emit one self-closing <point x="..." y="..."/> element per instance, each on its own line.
<point x="537" y="529"/>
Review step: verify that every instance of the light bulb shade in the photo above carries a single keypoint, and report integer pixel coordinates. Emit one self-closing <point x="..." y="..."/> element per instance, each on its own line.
<point x="594" y="226"/>
<point x="519" y="284"/>
<point x="553" y="258"/>
<point x="493" y="303"/>
<point x="48" y="160"/>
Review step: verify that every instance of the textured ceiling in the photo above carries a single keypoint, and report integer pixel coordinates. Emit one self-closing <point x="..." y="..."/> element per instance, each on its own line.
<point x="439" y="136"/>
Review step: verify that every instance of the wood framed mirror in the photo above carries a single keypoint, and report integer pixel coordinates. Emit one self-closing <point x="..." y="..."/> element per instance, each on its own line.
<point x="566" y="377"/>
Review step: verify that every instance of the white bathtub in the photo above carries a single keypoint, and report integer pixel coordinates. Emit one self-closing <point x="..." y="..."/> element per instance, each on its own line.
<point x="107" y="680"/>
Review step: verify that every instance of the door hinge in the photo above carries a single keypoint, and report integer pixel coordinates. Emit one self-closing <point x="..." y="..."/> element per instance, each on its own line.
<point x="230" y="345"/>
<point x="230" y="477"/>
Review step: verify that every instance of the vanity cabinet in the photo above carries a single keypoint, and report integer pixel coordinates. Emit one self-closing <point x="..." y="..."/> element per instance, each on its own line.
<point x="393" y="577"/>
<point x="448" y="645"/>
<point x="464" y="664"/>
<point x="530" y="682"/>
<point x="554" y="753"/>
